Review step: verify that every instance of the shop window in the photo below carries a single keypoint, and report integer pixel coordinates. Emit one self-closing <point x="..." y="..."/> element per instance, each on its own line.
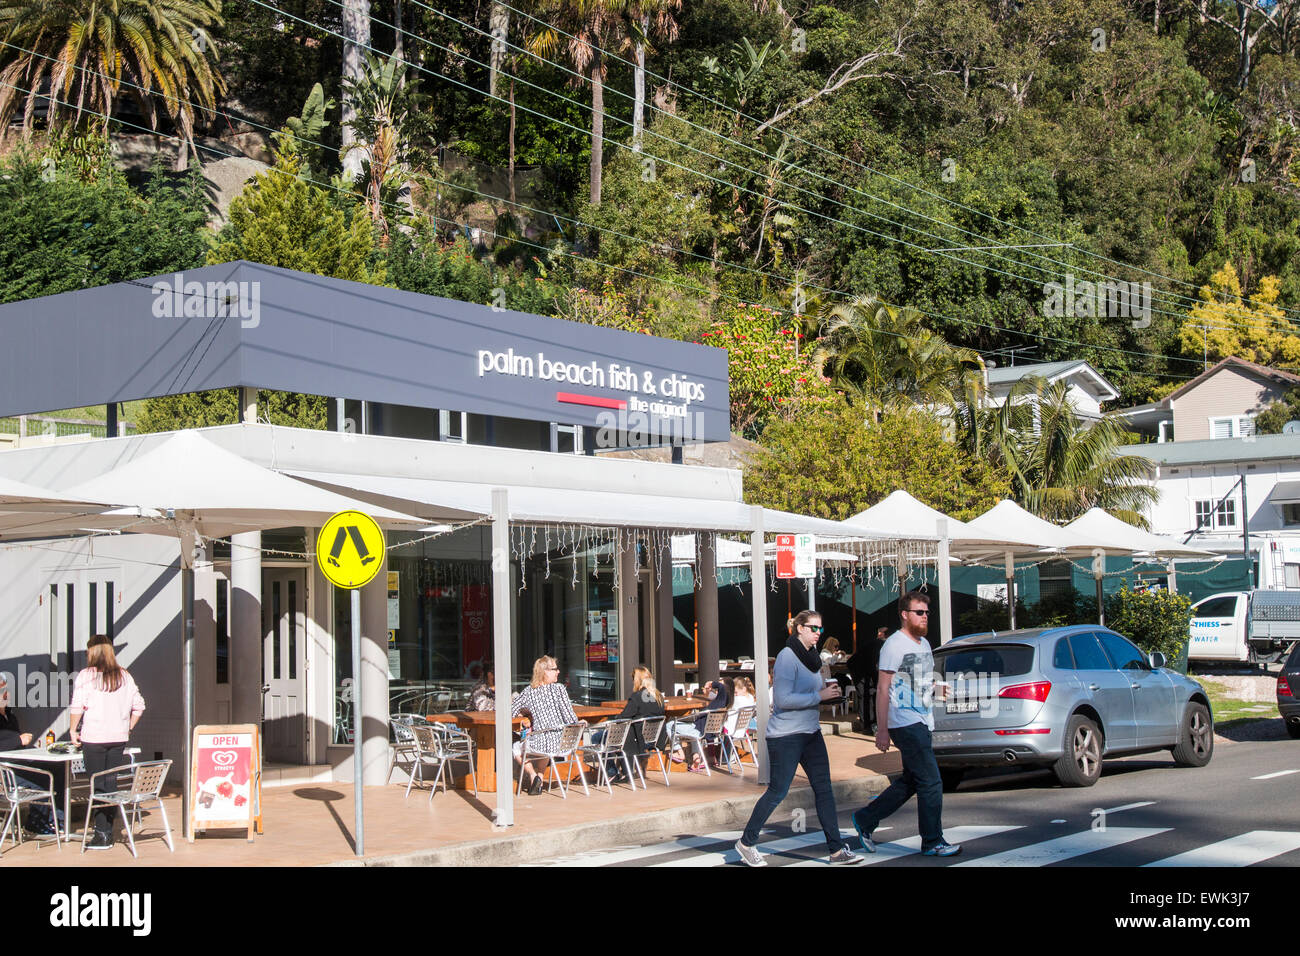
<point x="453" y="426"/>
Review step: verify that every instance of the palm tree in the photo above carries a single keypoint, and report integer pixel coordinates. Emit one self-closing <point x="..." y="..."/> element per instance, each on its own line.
<point x="85" y="50"/>
<point x="585" y="28"/>
<point x="647" y="17"/>
<point x="889" y="359"/>
<point x="1059" y="464"/>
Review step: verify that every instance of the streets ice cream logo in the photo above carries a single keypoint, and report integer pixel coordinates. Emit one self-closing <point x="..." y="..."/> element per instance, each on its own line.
<point x="225" y="758"/>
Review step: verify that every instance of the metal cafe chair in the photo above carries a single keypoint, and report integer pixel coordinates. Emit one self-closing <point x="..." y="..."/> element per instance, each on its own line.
<point x="429" y="752"/>
<point x="650" y="730"/>
<point x="712" y="728"/>
<point x="404" y="744"/>
<point x="16" y="795"/>
<point x="457" y="745"/>
<point x="146" y="783"/>
<point x="741" y="735"/>
<point x="565" y="749"/>
<point x="613" y="746"/>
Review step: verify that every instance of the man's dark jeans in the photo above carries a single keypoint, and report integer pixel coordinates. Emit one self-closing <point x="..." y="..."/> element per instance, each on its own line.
<point x="920" y="777"/>
<point x="784" y="754"/>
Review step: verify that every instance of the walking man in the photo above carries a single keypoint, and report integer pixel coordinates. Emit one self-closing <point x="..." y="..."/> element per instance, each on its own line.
<point x="903" y="698"/>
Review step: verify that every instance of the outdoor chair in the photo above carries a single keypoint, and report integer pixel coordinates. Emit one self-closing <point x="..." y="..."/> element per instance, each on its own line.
<point x="15" y="795"/>
<point x="429" y="752"/>
<point x="712" y="728"/>
<point x="146" y="783"/>
<point x="457" y="745"/>
<point x="612" y="747"/>
<point x="650" y="729"/>
<point x="566" y="750"/>
<point x="741" y="735"/>
<point x="404" y="745"/>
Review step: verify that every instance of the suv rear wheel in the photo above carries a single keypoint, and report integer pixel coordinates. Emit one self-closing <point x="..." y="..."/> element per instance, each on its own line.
<point x="1195" y="744"/>
<point x="1080" y="765"/>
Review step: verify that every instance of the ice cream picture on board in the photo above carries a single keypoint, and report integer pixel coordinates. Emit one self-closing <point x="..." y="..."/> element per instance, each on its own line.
<point x="225" y="772"/>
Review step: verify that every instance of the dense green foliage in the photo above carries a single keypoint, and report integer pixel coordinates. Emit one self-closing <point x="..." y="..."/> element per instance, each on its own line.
<point x="829" y="461"/>
<point x="1153" y="620"/>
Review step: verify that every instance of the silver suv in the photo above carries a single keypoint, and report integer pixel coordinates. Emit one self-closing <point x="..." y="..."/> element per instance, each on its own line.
<point x="1063" y="697"/>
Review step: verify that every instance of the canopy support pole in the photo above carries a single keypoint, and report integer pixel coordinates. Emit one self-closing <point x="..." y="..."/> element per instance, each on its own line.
<point x="1098" y="572"/>
<point x="1173" y="576"/>
<point x="502" y="658"/>
<point x="945" y="582"/>
<point x="1011" y="590"/>
<point x="758" y="600"/>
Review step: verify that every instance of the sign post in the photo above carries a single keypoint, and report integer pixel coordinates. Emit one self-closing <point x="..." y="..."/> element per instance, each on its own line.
<point x="349" y="552"/>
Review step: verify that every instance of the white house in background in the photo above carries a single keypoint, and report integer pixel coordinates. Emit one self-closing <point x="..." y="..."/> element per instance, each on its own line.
<point x="1088" y="388"/>
<point x="1201" y="485"/>
<point x="1221" y="402"/>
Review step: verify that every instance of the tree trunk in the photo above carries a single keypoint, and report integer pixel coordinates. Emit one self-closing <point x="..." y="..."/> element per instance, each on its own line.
<point x="1155" y="21"/>
<point x="1243" y="50"/>
<point x="499" y="29"/>
<point x="511" y="175"/>
<point x="597" y="126"/>
<point x="356" y="27"/>
<point x="398" y="37"/>
<point x="638" y="90"/>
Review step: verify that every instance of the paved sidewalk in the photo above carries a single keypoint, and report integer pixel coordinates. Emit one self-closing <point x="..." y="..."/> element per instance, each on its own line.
<point x="311" y="824"/>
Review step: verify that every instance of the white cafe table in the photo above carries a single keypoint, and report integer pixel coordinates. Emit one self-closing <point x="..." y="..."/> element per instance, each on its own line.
<point x="39" y="755"/>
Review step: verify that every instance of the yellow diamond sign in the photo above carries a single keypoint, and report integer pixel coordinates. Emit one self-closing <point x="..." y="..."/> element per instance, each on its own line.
<point x="350" y="549"/>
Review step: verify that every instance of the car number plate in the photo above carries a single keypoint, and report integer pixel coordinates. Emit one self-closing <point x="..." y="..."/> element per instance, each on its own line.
<point x="962" y="706"/>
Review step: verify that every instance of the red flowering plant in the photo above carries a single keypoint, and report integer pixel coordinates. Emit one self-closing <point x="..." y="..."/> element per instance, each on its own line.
<point x="769" y="364"/>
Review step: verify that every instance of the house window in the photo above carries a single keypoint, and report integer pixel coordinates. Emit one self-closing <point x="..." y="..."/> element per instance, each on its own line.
<point x="1291" y="514"/>
<point x="1233" y="426"/>
<point x="1212" y="513"/>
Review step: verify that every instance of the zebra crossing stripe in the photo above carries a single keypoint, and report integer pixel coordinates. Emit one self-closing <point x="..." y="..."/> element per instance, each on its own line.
<point x="605" y="858"/>
<point x="728" y="854"/>
<point x="1244" y="850"/>
<point x="1066" y="847"/>
<point x="912" y="845"/>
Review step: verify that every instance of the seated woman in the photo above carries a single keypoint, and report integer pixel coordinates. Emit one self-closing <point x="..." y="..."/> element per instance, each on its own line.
<point x="549" y="708"/>
<point x="718" y="693"/>
<point x="644" y="701"/>
<point x="831" y="654"/>
<point x="13" y="738"/>
<point x="483" y="695"/>
<point x="744" y="697"/>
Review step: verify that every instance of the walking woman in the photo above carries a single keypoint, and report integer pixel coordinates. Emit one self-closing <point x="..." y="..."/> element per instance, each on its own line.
<point x="794" y="737"/>
<point x="106" y="706"/>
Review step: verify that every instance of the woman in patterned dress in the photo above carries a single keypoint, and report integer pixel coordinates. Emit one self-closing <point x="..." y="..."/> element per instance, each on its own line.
<point x="549" y="708"/>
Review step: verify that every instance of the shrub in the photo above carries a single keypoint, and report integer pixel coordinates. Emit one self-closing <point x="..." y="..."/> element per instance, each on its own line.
<point x="1153" y="620"/>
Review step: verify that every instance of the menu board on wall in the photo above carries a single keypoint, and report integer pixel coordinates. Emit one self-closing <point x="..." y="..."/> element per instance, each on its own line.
<point x="225" y="782"/>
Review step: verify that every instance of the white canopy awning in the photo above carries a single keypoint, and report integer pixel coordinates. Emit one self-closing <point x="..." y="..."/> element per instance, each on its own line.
<point x="215" y="493"/>
<point x="1097" y="523"/>
<point x="905" y="517"/>
<point x="1008" y="519"/>
<point x="443" y="500"/>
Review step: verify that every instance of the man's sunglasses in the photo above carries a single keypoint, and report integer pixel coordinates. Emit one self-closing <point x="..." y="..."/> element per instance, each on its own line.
<point x="923" y="613"/>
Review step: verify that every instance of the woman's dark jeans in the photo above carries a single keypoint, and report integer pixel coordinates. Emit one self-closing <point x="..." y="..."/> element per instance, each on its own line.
<point x="99" y="757"/>
<point x="784" y="755"/>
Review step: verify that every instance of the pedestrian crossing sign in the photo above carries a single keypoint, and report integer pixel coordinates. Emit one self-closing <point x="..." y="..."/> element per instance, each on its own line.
<point x="350" y="549"/>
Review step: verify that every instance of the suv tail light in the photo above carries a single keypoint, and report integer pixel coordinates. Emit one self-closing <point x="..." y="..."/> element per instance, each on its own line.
<point x="1036" y="691"/>
<point x="1283" y="688"/>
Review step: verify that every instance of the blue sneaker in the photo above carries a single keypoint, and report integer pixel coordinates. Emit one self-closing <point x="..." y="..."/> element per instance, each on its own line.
<point x="942" y="849"/>
<point x="868" y="844"/>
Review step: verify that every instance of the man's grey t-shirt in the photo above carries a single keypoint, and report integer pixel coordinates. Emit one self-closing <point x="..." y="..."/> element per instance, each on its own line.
<point x="911" y="690"/>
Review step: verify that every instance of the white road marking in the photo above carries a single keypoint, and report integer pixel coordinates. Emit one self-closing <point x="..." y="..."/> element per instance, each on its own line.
<point x="604" y="858"/>
<point x="1279" y="773"/>
<point x="1244" y="850"/>
<point x="775" y="846"/>
<point x="1067" y="847"/>
<point x="912" y="845"/>
<point x="1130" y="806"/>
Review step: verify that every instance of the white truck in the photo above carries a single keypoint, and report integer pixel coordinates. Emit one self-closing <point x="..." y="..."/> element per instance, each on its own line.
<point x="1255" y="627"/>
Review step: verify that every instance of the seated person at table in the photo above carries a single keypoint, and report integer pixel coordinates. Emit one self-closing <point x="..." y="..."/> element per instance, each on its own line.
<point x="483" y="695"/>
<point x="831" y="654"/>
<point x="744" y="697"/>
<point x="719" y="696"/>
<point x="549" y="708"/>
<point x="12" y="738"/>
<point x="644" y="701"/>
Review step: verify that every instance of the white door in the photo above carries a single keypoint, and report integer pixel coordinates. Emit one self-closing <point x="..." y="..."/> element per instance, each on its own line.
<point x="284" y="652"/>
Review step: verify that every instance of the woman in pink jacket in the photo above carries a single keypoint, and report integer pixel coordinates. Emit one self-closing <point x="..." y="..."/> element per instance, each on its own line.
<point x="106" y="705"/>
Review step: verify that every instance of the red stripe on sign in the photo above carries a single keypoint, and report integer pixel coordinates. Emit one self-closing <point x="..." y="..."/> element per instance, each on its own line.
<point x="572" y="399"/>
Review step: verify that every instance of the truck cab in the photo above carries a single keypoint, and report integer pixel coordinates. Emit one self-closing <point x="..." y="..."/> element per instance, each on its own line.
<point x="1245" y="626"/>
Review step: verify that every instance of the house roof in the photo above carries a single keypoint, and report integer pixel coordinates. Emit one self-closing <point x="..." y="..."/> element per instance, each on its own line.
<point x="1053" y="371"/>
<point x="1212" y="451"/>
<point x="1277" y="375"/>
